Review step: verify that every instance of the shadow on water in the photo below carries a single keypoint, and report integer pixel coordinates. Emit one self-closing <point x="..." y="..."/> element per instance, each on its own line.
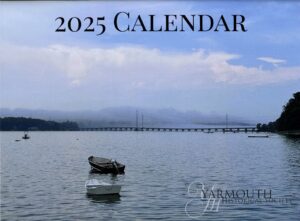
<point x="107" y="199"/>
<point x="292" y="153"/>
<point x="292" y="140"/>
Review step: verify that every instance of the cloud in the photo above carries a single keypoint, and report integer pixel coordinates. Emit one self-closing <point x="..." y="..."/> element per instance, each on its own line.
<point x="134" y="67"/>
<point x="272" y="61"/>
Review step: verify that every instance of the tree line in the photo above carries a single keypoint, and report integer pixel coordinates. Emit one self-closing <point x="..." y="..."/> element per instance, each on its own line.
<point x="289" y="119"/>
<point x="25" y="124"/>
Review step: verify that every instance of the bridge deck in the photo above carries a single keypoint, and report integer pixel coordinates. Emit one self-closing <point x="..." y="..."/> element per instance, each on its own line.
<point x="171" y="129"/>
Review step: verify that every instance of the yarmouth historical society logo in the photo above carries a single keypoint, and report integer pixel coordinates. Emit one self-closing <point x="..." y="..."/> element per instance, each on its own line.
<point x="213" y="198"/>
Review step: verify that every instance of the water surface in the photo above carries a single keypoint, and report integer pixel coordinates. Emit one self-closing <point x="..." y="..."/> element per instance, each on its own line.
<point x="43" y="178"/>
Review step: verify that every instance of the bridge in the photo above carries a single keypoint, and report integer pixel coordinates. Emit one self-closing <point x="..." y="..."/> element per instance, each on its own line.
<point x="171" y="129"/>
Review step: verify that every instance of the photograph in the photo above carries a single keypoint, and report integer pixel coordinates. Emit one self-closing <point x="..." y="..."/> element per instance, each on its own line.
<point x="136" y="110"/>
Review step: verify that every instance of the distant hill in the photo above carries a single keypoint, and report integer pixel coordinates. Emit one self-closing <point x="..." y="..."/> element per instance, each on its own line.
<point x="126" y="116"/>
<point x="25" y="124"/>
<point x="290" y="116"/>
<point x="289" y="119"/>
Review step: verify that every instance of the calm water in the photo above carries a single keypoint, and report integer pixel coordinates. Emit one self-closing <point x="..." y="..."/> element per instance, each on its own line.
<point x="43" y="178"/>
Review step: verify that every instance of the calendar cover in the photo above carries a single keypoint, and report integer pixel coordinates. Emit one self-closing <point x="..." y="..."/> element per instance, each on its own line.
<point x="150" y="110"/>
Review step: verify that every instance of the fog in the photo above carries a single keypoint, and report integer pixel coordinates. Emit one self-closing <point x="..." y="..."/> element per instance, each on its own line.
<point x="126" y="116"/>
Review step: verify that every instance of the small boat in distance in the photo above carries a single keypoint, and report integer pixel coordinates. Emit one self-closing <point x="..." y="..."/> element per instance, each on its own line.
<point x="104" y="165"/>
<point x="95" y="187"/>
<point x="25" y="137"/>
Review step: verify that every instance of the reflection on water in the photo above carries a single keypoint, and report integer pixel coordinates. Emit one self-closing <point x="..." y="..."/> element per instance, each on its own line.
<point x="43" y="178"/>
<point x="291" y="141"/>
<point x="108" y="199"/>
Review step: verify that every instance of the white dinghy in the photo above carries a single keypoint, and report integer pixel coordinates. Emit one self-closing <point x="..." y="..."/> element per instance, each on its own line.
<point x="96" y="187"/>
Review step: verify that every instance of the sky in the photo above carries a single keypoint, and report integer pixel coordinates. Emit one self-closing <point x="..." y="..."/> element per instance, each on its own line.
<point x="247" y="74"/>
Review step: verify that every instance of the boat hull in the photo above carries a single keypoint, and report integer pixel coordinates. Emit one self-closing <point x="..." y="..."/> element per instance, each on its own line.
<point x="105" y="166"/>
<point x="94" y="187"/>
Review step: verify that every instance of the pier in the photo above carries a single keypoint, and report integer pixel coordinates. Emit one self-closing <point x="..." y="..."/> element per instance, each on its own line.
<point x="171" y="129"/>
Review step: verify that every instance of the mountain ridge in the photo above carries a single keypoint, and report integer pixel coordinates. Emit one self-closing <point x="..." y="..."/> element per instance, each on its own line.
<point x="126" y="116"/>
